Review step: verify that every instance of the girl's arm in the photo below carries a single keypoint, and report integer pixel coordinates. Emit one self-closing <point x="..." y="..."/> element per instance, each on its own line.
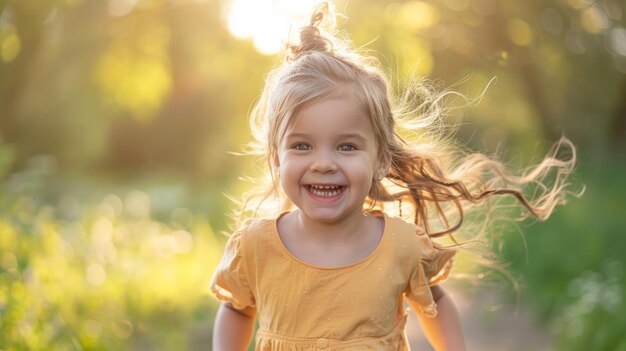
<point x="233" y="329"/>
<point x="444" y="331"/>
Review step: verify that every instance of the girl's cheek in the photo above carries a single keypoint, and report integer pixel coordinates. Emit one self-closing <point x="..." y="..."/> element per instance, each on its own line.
<point x="291" y="163"/>
<point x="363" y="165"/>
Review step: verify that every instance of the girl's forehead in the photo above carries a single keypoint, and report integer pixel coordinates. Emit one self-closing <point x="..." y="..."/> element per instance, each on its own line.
<point x="331" y="116"/>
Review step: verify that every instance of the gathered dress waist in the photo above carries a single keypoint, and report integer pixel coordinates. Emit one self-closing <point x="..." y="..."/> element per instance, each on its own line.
<point x="395" y="340"/>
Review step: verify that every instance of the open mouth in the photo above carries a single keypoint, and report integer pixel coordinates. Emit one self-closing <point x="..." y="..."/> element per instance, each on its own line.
<point x="325" y="190"/>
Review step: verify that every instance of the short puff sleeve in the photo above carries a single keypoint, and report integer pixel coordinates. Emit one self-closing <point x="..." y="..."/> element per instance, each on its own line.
<point x="434" y="266"/>
<point x="230" y="281"/>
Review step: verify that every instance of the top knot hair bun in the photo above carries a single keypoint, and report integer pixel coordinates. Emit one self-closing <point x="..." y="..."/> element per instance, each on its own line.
<point x="311" y="38"/>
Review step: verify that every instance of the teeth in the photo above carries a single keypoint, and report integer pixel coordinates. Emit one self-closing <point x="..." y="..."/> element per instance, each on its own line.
<point x="325" y="190"/>
<point x="325" y="193"/>
<point x="314" y="186"/>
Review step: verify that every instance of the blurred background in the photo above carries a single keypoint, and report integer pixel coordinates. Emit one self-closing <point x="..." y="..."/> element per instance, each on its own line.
<point x="117" y="118"/>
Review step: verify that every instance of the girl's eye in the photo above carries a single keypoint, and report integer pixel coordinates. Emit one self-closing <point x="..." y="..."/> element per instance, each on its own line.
<point x="302" y="147"/>
<point x="347" y="147"/>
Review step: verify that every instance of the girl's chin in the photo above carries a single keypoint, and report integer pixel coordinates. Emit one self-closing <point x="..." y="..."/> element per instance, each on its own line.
<point x="327" y="215"/>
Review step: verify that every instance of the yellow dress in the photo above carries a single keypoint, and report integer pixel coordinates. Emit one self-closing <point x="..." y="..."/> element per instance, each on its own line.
<point x="356" y="307"/>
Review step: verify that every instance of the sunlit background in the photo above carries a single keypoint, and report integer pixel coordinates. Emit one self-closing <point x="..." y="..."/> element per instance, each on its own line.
<point x="117" y="118"/>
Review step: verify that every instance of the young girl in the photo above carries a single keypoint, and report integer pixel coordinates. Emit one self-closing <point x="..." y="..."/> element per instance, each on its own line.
<point x="329" y="269"/>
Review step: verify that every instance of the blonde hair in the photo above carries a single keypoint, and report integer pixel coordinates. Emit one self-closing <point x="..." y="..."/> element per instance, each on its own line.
<point x="438" y="184"/>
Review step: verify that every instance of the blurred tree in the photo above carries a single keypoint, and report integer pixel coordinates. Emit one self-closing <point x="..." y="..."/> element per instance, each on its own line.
<point x="548" y="54"/>
<point x="163" y="86"/>
<point x="150" y="85"/>
<point x="618" y="126"/>
<point x="21" y="34"/>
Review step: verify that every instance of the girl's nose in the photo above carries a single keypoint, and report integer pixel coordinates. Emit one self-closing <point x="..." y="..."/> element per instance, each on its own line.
<point x="324" y="162"/>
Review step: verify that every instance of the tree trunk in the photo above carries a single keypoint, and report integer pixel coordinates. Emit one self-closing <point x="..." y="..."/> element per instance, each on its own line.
<point x="534" y="91"/>
<point x="16" y="73"/>
<point x="617" y="133"/>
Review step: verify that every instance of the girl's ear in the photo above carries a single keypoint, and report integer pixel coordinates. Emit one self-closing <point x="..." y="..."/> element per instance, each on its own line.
<point x="275" y="162"/>
<point x="383" y="168"/>
<point x="275" y="166"/>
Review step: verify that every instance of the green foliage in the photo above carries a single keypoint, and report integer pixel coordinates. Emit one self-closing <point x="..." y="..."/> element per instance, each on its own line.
<point x="573" y="268"/>
<point x="113" y="278"/>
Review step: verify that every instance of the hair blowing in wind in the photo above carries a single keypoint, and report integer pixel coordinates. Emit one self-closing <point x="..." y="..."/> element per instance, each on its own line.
<point x="430" y="180"/>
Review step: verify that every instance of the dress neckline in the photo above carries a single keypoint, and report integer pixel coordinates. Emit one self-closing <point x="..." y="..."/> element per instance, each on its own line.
<point x="371" y="255"/>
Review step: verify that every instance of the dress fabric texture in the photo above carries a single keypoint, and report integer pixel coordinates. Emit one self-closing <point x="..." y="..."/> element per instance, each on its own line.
<point x="301" y="306"/>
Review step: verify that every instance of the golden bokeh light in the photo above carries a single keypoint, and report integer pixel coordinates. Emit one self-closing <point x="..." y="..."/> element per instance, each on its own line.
<point x="135" y="73"/>
<point x="95" y="274"/>
<point x="10" y="43"/>
<point x="618" y="40"/>
<point x="520" y="32"/>
<point x="415" y="15"/>
<point x="267" y="23"/>
<point x="594" y="19"/>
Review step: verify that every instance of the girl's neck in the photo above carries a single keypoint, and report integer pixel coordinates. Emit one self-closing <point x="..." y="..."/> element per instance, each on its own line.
<point x="330" y="244"/>
<point x="343" y="230"/>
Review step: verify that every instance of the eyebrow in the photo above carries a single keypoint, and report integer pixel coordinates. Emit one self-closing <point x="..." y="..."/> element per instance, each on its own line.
<point x="354" y="136"/>
<point x="357" y="136"/>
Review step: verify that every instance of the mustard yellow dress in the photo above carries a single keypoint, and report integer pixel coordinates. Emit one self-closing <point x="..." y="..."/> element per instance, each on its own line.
<point x="356" y="307"/>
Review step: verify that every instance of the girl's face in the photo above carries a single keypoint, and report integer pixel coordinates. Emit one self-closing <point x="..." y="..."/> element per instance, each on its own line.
<point x="328" y="159"/>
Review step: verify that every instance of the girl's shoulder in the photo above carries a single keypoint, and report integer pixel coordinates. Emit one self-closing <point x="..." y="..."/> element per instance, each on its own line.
<point x="254" y="230"/>
<point x="251" y="224"/>
<point x="409" y="237"/>
<point x="400" y="227"/>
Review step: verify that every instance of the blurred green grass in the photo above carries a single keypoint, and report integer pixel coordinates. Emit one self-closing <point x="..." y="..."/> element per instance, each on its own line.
<point x="101" y="273"/>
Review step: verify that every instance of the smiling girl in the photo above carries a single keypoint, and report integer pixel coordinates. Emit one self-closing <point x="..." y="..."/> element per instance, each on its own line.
<point x="330" y="270"/>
